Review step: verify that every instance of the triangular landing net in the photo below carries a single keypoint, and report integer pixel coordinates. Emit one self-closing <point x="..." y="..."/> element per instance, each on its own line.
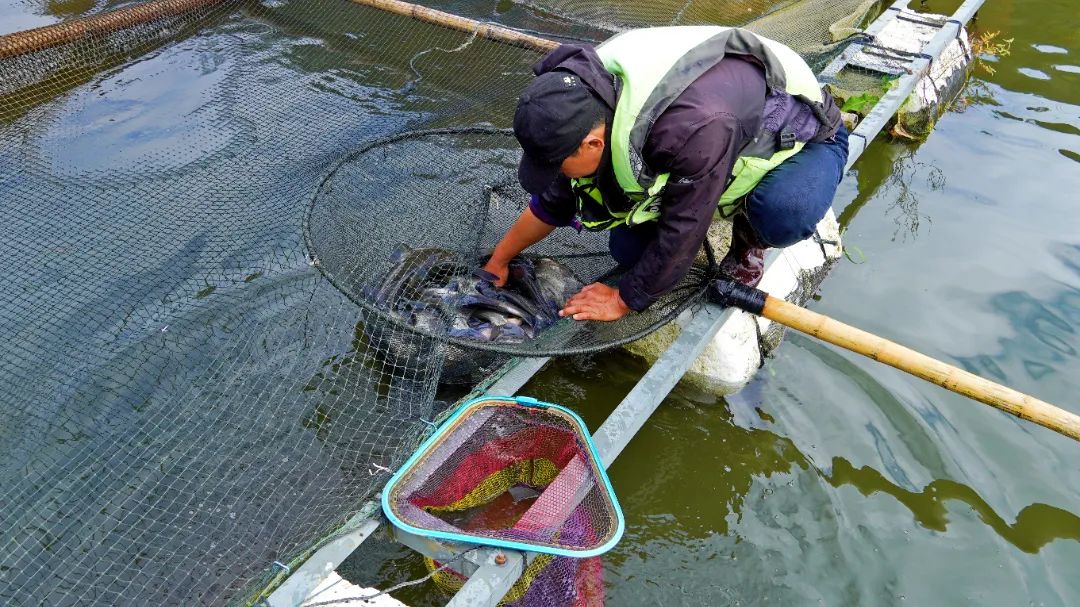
<point x="509" y="472"/>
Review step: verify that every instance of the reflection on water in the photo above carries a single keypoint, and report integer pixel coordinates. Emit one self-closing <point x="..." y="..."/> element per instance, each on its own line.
<point x="18" y="15"/>
<point x="900" y="177"/>
<point x="1036" y="525"/>
<point x="1042" y="334"/>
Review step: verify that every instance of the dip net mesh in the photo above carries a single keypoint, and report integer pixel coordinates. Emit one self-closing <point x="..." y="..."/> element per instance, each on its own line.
<point x="522" y="475"/>
<point x="195" y="195"/>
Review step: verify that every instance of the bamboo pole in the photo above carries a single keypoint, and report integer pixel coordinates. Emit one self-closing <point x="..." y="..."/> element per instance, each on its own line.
<point x="37" y="39"/>
<point x="40" y="38"/>
<point x="920" y="365"/>
<point x="484" y="30"/>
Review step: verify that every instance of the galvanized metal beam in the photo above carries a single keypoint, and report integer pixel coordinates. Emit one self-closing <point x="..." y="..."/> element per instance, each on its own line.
<point x="516" y="374"/>
<point x="631" y="414"/>
<point x="302" y="582"/>
<point x="840" y="61"/>
<point x="491" y="582"/>
<point x="468" y="558"/>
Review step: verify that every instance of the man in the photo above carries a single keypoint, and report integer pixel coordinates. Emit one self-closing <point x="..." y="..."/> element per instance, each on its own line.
<point x="652" y="133"/>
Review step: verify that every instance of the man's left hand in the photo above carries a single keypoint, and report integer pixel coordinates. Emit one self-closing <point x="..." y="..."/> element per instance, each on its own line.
<point x="596" y="302"/>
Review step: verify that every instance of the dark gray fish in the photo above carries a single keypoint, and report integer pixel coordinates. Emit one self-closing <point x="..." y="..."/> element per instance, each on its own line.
<point x="523" y="278"/>
<point x="557" y="282"/>
<point x="495" y="304"/>
<point x="523" y="288"/>
<point x="433" y="291"/>
<point x="411" y="270"/>
<point x="436" y="293"/>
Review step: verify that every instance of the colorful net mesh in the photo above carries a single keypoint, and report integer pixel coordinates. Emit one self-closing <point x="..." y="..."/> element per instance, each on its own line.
<point x="548" y="581"/>
<point x="513" y="473"/>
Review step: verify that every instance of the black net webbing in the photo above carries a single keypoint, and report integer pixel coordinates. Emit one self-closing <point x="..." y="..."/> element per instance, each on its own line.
<point x="194" y="380"/>
<point x="400" y="191"/>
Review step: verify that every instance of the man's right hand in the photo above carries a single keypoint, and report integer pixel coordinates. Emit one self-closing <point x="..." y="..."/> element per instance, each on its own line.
<point x="526" y="231"/>
<point x="499" y="269"/>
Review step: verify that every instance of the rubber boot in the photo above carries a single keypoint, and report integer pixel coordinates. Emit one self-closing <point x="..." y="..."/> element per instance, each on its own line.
<point x="745" y="261"/>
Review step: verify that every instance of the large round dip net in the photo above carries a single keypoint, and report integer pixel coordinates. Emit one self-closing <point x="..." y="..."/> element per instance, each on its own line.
<point x="393" y="224"/>
<point x="235" y="239"/>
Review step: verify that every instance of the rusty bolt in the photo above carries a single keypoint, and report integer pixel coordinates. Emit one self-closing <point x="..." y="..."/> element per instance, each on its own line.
<point x="500" y="559"/>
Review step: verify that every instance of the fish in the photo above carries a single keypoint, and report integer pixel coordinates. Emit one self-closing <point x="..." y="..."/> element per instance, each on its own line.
<point x="410" y="270"/>
<point x="557" y="283"/>
<point x="429" y="288"/>
<point x="439" y="292"/>
<point x="500" y="513"/>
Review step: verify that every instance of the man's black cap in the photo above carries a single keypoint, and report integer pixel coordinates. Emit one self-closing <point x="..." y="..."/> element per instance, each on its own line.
<point x="554" y="114"/>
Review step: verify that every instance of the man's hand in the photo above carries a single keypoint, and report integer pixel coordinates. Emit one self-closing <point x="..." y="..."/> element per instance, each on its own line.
<point x="526" y="231"/>
<point x="596" y="302"/>
<point x="500" y="269"/>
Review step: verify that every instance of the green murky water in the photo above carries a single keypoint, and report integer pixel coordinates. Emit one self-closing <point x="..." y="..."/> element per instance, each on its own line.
<point x="834" y="480"/>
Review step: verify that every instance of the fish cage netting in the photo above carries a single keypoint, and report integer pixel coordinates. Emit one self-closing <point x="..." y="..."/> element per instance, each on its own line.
<point x="188" y="396"/>
<point x="813" y="28"/>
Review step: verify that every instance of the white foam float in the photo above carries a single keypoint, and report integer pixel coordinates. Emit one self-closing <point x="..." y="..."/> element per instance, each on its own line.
<point x="735" y="354"/>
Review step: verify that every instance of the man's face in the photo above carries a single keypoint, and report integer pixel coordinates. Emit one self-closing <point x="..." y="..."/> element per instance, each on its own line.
<point x="586" y="159"/>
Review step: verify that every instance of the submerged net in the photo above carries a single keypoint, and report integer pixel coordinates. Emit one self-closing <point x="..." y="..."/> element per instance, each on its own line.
<point x="196" y="385"/>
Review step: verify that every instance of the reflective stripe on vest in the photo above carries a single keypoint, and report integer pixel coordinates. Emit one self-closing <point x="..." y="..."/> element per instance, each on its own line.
<point x="654" y="67"/>
<point x="595" y="214"/>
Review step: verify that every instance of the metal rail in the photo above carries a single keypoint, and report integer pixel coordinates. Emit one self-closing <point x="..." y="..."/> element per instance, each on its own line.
<point x="830" y="72"/>
<point x="884" y="109"/>
<point x="635" y="409"/>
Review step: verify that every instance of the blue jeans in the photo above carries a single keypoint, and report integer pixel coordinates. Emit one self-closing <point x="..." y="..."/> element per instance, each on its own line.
<point x="783" y="208"/>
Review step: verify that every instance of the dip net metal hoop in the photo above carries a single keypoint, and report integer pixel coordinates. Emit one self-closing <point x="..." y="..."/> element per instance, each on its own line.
<point x="462" y="207"/>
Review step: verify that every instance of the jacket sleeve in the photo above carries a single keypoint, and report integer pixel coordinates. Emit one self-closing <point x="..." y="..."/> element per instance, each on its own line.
<point x="555" y="206"/>
<point x="699" y="174"/>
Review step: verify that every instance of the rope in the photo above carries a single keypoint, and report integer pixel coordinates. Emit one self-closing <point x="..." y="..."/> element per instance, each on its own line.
<point x="394" y="588"/>
<point x="411" y="85"/>
<point x="854" y="38"/>
<point x="910" y="19"/>
<point x="897" y="52"/>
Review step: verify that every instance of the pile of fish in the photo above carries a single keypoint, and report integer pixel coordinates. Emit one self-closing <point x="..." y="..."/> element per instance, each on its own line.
<point x="433" y="291"/>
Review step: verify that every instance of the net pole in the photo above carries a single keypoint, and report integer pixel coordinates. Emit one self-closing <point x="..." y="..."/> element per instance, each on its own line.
<point x="49" y="36"/>
<point x="484" y="30"/>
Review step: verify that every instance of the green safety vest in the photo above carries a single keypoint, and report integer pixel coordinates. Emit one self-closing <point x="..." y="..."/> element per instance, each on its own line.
<point x="654" y="66"/>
